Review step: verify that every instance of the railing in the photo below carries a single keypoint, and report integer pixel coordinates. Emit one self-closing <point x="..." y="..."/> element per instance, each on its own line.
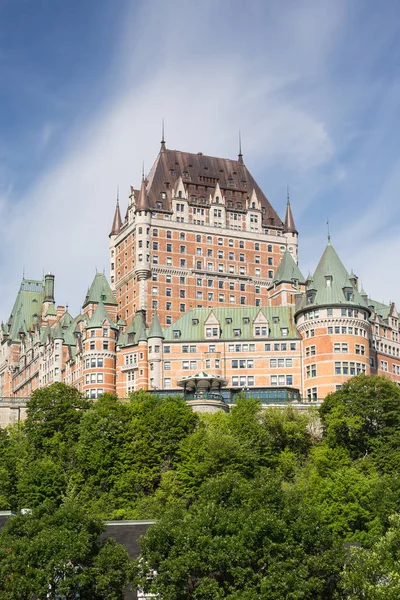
<point x="205" y="396"/>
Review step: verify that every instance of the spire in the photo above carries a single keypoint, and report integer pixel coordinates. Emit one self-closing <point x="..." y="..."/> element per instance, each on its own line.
<point x="163" y="146"/>
<point x="240" y="155"/>
<point x="290" y="227"/>
<point x="117" y="222"/>
<point x="143" y="200"/>
<point x="329" y="233"/>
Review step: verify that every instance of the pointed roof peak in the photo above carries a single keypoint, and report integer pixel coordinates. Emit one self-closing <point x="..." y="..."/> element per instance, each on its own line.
<point x="155" y="329"/>
<point x="288" y="271"/>
<point x="290" y="226"/>
<point x="163" y="145"/>
<point x="240" y="155"/>
<point x="143" y="199"/>
<point x="117" y="221"/>
<point x="100" y="288"/>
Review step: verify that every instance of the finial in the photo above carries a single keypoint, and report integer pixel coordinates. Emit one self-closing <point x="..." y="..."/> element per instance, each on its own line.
<point x="163" y="147"/>
<point x="66" y="307"/>
<point x="240" y="155"/>
<point x="329" y="233"/>
<point x="143" y="171"/>
<point x="118" y="194"/>
<point x="288" y="195"/>
<point x="23" y="271"/>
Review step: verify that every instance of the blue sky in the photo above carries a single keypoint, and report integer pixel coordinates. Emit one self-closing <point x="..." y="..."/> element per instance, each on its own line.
<point x="313" y="85"/>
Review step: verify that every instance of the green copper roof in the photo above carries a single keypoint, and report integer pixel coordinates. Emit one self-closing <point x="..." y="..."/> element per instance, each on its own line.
<point x="330" y="283"/>
<point x="27" y="304"/>
<point x="51" y="311"/>
<point x="100" y="290"/>
<point x="141" y="332"/>
<point x="235" y="323"/>
<point x="382" y="310"/>
<point x="69" y="333"/>
<point x="99" y="316"/>
<point x="58" y="332"/>
<point x="288" y="270"/>
<point x="135" y="332"/>
<point x="155" y="330"/>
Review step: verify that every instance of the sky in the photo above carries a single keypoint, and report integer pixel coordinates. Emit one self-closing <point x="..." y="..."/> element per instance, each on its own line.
<point x="313" y="86"/>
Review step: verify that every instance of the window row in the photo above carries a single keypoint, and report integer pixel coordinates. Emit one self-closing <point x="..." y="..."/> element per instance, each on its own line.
<point x="280" y="347"/>
<point x="92" y="363"/>
<point x="280" y="362"/>
<point x="349" y="368"/>
<point x="281" y="379"/>
<point x="94" y="393"/>
<point x="94" y="378"/>
<point x="346" y="331"/>
<point x="209" y="240"/>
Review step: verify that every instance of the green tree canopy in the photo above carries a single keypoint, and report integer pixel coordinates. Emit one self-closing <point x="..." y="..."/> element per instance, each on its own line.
<point x="53" y="553"/>
<point x="364" y="417"/>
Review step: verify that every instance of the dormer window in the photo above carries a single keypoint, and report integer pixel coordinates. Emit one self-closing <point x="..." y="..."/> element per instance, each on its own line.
<point x="246" y="320"/>
<point x="217" y="199"/>
<point x="180" y="194"/>
<point x="195" y="321"/>
<point x="328" y="280"/>
<point x="228" y="320"/>
<point x="176" y="334"/>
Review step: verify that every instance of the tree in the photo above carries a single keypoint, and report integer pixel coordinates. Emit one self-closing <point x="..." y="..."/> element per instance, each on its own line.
<point x="240" y="540"/>
<point x="57" y="552"/>
<point x="374" y="574"/>
<point x="53" y="417"/>
<point x="364" y="417"/>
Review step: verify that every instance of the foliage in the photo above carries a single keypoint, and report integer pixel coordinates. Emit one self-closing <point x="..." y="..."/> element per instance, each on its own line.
<point x="250" y="504"/>
<point x="240" y="540"/>
<point x="374" y="574"/>
<point x="56" y="552"/>
<point x="364" y="418"/>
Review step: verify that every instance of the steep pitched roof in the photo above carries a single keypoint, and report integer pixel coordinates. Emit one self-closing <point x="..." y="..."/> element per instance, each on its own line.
<point x="135" y="332"/>
<point x="51" y="311"/>
<point x="117" y="221"/>
<point x="288" y="270"/>
<point x="382" y="310"/>
<point x="28" y="303"/>
<point x="330" y="283"/>
<point x="99" y="316"/>
<point x="143" y="200"/>
<point x="100" y="289"/>
<point x="155" y="330"/>
<point x="200" y="174"/>
<point x="289" y="220"/>
<point x="58" y="332"/>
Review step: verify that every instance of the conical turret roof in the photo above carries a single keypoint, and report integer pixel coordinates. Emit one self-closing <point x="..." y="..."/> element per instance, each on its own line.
<point x="117" y="221"/>
<point x="100" y="290"/>
<point x="288" y="270"/>
<point x="143" y="200"/>
<point x="331" y="283"/>
<point x="289" y="220"/>
<point x="155" y="330"/>
<point x="99" y="316"/>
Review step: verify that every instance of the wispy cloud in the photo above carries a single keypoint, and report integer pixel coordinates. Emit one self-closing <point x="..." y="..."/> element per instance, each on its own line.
<point x="266" y="69"/>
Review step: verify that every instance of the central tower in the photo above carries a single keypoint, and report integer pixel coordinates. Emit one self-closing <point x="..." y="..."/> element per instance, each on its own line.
<point x="200" y="233"/>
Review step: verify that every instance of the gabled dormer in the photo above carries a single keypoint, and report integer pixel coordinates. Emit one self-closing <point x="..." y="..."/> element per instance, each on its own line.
<point x="212" y="327"/>
<point x="260" y="325"/>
